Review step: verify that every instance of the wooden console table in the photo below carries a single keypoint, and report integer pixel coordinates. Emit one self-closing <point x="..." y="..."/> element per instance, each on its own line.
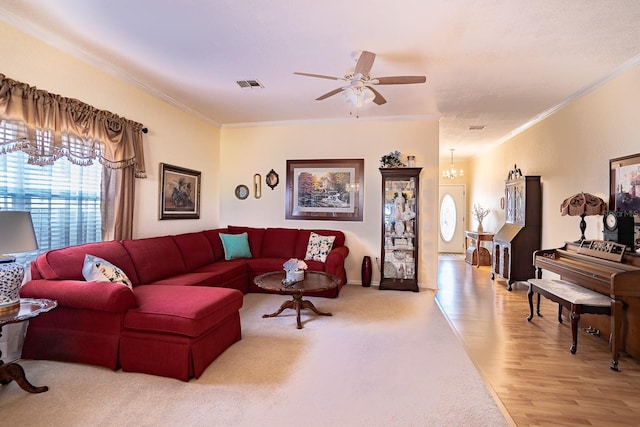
<point x="476" y="254"/>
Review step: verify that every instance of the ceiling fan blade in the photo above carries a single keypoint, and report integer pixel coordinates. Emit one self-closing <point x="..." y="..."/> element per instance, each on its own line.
<point x="320" y="76"/>
<point x="328" y="94"/>
<point x="365" y="62"/>
<point x="379" y="99"/>
<point x="398" y="80"/>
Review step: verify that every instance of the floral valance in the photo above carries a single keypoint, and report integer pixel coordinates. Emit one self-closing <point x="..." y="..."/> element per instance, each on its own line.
<point x="47" y="126"/>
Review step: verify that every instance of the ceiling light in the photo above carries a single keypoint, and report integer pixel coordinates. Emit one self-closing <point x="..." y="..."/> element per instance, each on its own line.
<point x="452" y="173"/>
<point x="357" y="96"/>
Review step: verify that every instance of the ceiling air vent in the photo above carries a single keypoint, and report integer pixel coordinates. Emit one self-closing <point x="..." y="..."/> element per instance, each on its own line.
<point x="477" y="127"/>
<point x="250" y="84"/>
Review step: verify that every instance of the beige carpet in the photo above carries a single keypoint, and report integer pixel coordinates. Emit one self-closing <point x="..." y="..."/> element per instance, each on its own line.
<point x="385" y="358"/>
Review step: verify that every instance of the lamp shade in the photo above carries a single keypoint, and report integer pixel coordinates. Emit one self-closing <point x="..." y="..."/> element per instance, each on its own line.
<point x="16" y="235"/>
<point x="16" y="232"/>
<point x="583" y="204"/>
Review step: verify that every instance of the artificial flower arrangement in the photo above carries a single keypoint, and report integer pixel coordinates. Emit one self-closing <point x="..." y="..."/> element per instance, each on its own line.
<point x="294" y="269"/>
<point x="392" y="160"/>
<point x="479" y="213"/>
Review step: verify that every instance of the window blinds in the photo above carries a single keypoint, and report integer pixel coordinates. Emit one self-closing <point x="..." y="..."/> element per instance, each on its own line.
<point x="63" y="198"/>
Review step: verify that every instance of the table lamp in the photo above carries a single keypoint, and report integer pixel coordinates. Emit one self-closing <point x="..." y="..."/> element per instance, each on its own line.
<point x="583" y="204"/>
<point x="16" y="235"/>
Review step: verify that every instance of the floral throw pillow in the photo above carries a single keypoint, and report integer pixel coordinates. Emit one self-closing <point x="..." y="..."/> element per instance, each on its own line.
<point x="318" y="247"/>
<point x="99" y="270"/>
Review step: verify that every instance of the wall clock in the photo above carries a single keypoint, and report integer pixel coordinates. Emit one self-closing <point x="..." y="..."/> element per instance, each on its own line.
<point x="242" y="192"/>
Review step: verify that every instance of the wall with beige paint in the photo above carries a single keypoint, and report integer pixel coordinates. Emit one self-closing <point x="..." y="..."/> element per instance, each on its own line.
<point x="250" y="150"/>
<point x="174" y="137"/>
<point x="570" y="150"/>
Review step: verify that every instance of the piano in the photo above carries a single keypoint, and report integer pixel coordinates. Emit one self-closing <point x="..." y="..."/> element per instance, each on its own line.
<point x="608" y="270"/>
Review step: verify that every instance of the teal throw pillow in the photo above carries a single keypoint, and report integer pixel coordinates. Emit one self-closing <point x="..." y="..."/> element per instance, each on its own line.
<point x="235" y="245"/>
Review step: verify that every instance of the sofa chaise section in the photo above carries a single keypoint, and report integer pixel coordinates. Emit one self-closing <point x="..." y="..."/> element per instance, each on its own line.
<point x="177" y="334"/>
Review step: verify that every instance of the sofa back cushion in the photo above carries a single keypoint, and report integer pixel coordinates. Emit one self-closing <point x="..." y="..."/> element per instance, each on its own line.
<point x="280" y="243"/>
<point x="195" y="249"/>
<point x="303" y="240"/>
<point x="155" y="258"/>
<point x="67" y="263"/>
<point x="213" y="236"/>
<point x="256" y="236"/>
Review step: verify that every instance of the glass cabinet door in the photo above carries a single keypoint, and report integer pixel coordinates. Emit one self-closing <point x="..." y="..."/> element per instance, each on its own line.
<point x="399" y="228"/>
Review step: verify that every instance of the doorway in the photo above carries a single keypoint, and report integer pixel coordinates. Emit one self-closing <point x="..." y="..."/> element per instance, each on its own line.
<point x="451" y="223"/>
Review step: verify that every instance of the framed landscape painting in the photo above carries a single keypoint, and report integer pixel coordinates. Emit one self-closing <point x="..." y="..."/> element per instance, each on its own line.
<point x="624" y="192"/>
<point x="325" y="189"/>
<point x="179" y="192"/>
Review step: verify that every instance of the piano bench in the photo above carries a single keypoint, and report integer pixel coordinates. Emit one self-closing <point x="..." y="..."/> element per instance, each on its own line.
<point x="576" y="299"/>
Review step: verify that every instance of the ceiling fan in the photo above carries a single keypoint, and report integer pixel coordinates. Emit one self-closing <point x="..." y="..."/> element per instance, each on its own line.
<point x="359" y="88"/>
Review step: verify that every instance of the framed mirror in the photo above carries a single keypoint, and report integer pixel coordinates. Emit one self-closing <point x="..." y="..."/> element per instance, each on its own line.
<point x="272" y="179"/>
<point x="257" y="186"/>
<point x="242" y="191"/>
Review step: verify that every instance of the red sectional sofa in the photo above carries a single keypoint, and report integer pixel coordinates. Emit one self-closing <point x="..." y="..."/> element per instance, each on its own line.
<point x="182" y="310"/>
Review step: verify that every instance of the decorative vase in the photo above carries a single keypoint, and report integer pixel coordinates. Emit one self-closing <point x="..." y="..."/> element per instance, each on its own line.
<point x="480" y="228"/>
<point x="366" y="271"/>
<point x="295" y="276"/>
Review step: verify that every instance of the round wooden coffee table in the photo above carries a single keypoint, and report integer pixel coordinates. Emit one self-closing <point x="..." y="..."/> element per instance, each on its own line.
<point x="28" y="309"/>
<point x="314" y="281"/>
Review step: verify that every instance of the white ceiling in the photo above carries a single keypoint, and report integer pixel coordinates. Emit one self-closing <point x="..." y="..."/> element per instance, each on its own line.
<point x="495" y="63"/>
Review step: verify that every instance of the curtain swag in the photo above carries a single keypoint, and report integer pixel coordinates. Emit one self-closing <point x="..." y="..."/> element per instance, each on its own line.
<point x="50" y="126"/>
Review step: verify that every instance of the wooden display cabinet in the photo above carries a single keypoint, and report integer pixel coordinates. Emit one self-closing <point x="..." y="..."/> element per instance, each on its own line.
<point x="521" y="235"/>
<point x="399" y="245"/>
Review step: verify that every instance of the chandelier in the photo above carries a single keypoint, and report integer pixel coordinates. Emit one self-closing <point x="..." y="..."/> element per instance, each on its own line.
<point x="452" y="173"/>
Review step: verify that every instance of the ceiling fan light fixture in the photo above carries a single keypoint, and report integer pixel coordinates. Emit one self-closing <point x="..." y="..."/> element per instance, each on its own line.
<point x="350" y="96"/>
<point x="358" y="96"/>
<point x="367" y="95"/>
<point x="359" y="90"/>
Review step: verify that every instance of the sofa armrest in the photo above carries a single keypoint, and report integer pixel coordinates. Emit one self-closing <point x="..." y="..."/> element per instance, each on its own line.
<point x="100" y="296"/>
<point x="334" y="264"/>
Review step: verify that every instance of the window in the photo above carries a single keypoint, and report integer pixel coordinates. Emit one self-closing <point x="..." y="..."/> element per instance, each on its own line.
<point x="63" y="198"/>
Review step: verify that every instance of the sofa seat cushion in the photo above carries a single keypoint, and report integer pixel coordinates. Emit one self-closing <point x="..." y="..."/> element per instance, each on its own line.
<point x="265" y="265"/>
<point x="191" y="279"/>
<point x="227" y="270"/>
<point x="181" y="311"/>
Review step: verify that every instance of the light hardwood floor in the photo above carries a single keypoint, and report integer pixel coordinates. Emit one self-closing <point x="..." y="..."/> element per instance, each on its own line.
<point x="528" y="364"/>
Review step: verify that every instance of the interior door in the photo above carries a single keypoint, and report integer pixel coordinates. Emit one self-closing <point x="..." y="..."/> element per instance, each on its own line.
<point x="451" y="224"/>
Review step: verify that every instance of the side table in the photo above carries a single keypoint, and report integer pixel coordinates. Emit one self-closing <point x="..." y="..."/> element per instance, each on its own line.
<point x="476" y="253"/>
<point x="29" y="308"/>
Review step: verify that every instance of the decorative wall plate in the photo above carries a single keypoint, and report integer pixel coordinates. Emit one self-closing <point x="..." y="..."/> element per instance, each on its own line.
<point x="390" y="270"/>
<point x="242" y="191"/>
